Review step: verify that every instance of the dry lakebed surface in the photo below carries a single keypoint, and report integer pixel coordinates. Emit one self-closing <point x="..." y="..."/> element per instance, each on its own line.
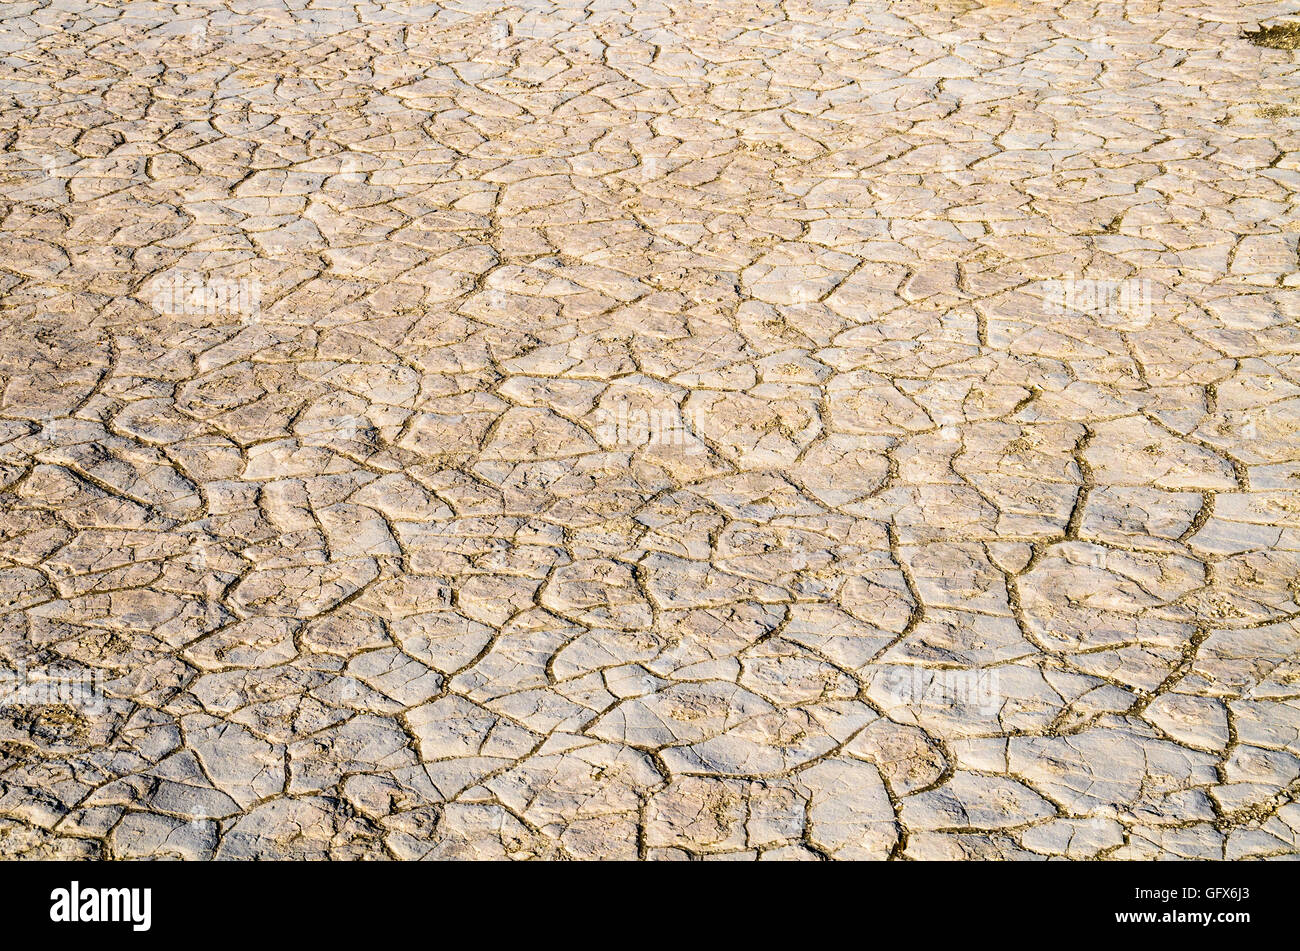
<point x="633" y="429"/>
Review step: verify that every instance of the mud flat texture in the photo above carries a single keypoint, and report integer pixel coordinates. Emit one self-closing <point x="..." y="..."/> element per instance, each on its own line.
<point x="649" y="430"/>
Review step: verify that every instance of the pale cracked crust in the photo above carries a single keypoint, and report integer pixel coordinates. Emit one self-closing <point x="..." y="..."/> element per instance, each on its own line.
<point x="617" y="429"/>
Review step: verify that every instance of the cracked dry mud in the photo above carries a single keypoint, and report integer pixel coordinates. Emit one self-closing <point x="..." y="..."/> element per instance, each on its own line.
<point x="629" y="429"/>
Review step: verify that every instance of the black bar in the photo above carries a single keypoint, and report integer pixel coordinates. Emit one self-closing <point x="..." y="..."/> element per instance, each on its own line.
<point x="224" y="902"/>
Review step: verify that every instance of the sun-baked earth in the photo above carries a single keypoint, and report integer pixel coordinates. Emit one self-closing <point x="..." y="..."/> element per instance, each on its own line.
<point x="628" y="429"/>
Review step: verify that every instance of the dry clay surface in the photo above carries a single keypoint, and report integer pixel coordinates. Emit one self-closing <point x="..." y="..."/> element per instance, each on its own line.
<point x="644" y="429"/>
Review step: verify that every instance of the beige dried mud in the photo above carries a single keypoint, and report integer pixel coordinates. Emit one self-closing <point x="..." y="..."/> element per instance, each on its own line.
<point x="818" y="430"/>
